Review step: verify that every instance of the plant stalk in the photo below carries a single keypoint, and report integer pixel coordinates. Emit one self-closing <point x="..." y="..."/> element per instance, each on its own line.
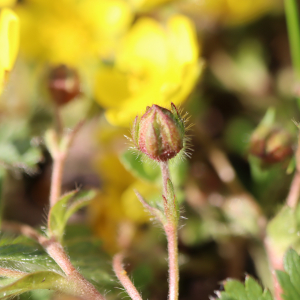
<point x="293" y="26"/>
<point x="84" y="288"/>
<point x="56" y="179"/>
<point x="171" y="232"/>
<point x="124" y="279"/>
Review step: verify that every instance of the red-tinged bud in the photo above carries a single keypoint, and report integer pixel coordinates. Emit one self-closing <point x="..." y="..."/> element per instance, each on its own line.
<point x="63" y="84"/>
<point x="271" y="144"/>
<point x="160" y="133"/>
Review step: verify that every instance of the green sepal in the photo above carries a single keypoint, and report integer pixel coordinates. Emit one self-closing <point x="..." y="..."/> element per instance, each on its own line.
<point x="173" y="210"/>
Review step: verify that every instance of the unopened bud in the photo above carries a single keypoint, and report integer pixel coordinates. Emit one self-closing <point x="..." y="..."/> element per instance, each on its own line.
<point x="271" y="144"/>
<point x="160" y="133"/>
<point x="63" y="84"/>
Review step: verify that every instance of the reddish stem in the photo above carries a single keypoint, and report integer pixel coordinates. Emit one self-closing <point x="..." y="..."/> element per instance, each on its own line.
<point x="56" y="179"/>
<point x="293" y="196"/>
<point x="276" y="263"/>
<point x="172" y="238"/>
<point x="171" y="232"/>
<point x="83" y="287"/>
<point x="124" y="279"/>
<point x="165" y="175"/>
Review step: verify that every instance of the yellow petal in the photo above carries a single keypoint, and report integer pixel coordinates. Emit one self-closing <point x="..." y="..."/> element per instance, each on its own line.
<point x="9" y="38"/>
<point x="143" y="5"/>
<point x="246" y="10"/>
<point x="157" y="65"/>
<point x="183" y="39"/>
<point x="6" y="3"/>
<point x="132" y="207"/>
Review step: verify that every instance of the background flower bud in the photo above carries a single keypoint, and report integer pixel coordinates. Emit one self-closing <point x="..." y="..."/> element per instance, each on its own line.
<point x="63" y="84"/>
<point x="159" y="133"/>
<point x="271" y="144"/>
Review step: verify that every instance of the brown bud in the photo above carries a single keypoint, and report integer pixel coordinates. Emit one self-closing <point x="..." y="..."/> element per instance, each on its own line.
<point x="271" y="144"/>
<point x="63" y="84"/>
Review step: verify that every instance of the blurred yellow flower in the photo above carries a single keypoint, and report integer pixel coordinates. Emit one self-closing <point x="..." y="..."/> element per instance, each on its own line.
<point x="228" y="12"/>
<point x="9" y="41"/>
<point x="155" y="64"/>
<point x="6" y="3"/>
<point x="116" y="205"/>
<point x="72" y="32"/>
<point x="144" y="5"/>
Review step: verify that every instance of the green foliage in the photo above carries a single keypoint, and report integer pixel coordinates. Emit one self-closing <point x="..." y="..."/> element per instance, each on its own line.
<point x="235" y="290"/>
<point x="25" y="255"/>
<point x="143" y="169"/>
<point x="63" y="210"/>
<point x="34" y="281"/>
<point x="16" y="149"/>
<point x="282" y="229"/>
<point x="86" y="255"/>
<point x="289" y="280"/>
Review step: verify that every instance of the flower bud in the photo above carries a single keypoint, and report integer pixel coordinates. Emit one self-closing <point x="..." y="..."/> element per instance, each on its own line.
<point x="159" y="133"/>
<point x="271" y="144"/>
<point x="63" y="84"/>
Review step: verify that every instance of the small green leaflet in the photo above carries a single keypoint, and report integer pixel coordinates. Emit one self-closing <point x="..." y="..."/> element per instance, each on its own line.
<point x="290" y="279"/>
<point x="235" y="290"/>
<point x="34" y="281"/>
<point x="63" y="210"/>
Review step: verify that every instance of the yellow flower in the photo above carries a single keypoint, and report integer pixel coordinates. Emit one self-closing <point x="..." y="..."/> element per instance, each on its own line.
<point x="155" y="64"/>
<point x="144" y="5"/>
<point x="9" y="42"/>
<point x="6" y="3"/>
<point x="72" y="32"/>
<point x="117" y="203"/>
<point x="229" y="12"/>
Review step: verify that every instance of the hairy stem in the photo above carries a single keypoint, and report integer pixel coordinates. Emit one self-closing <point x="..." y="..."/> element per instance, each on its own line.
<point x="83" y="287"/>
<point x="171" y="232"/>
<point x="56" y="179"/>
<point x="124" y="279"/>
<point x="276" y="263"/>
<point x="294" y="192"/>
<point x="165" y="175"/>
<point x="59" y="155"/>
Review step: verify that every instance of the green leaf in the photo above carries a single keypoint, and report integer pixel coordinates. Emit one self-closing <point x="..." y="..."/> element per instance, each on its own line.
<point x="26" y="257"/>
<point x="289" y="291"/>
<point x="86" y="254"/>
<point x="62" y="210"/>
<point x="253" y="288"/>
<point x="140" y="168"/>
<point x="292" y="267"/>
<point x="235" y="290"/>
<point x="289" y="280"/>
<point x="34" y="281"/>
<point x="282" y="230"/>
<point x="243" y="215"/>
